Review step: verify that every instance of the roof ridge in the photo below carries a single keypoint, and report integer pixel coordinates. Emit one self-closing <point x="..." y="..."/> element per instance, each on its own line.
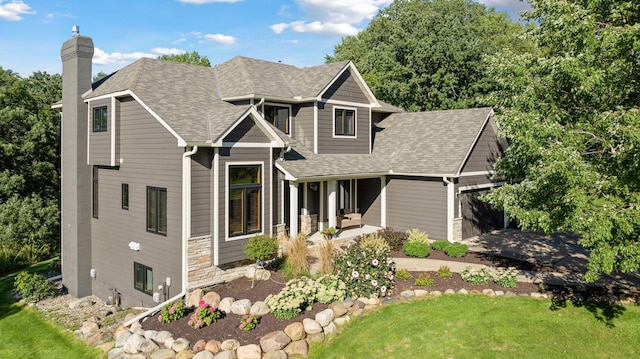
<point x="136" y="78"/>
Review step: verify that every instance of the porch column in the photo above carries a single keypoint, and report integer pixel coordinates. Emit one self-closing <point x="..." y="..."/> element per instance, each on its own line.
<point x="293" y="209"/>
<point x="305" y="198"/>
<point x="331" y="206"/>
<point x="321" y="210"/>
<point x="450" y="209"/>
<point x="383" y="201"/>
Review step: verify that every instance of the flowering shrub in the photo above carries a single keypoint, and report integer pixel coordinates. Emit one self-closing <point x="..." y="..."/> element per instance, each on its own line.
<point x="476" y="276"/>
<point x="297" y="295"/>
<point x="171" y="312"/>
<point x="507" y="278"/>
<point x="248" y="322"/>
<point x="203" y="316"/>
<point x="366" y="271"/>
<point x="329" y="288"/>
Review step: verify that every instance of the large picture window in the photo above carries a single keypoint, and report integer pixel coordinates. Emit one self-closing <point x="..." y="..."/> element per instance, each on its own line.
<point x="100" y="119"/>
<point x="157" y="210"/>
<point x="143" y="278"/>
<point x="245" y="200"/>
<point x="277" y="116"/>
<point x="345" y="122"/>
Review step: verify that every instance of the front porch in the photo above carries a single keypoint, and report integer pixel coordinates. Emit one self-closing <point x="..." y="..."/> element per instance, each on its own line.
<point x="344" y="235"/>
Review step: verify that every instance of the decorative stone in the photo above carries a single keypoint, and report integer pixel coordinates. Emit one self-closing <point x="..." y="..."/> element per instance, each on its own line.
<point x="134" y="326"/>
<point x="212" y="298"/>
<point x="133" y="344"/>
<point x="225" y="354"/>
<point x="374" y="301"/>
<point x="99" y="338"/>
<point x="225" y="304"/>
<point x="241" y="307"/>
<point x="338" y="308"/>
<point x="509" y="294"/>
<point x="370" y="307"/>
<point x="180" y="344"/>
<point x="194" y="298"/>
<point x="315" y="338"/>
<point x="229" y="344"/>
<point x="81" y="303"/>
<point x="150" y="334"/>
<point x="185" y="354"/>
<point x="435" y="293"/>
<point x="162" y="336"/>
<point x="389" y="301"/>
<point x="357" y="312"/>
<point x="203" y="355"/>
<point x="295" y="331"/>
<point x="168" y="343"/>
<point x="311" y="326"/>
<point x="119" y="330"/>
<point x="88" y="329"/>
<point x="278" y="354"/>
<point x="489" y="292"/>
<point x="297" y="348"/>
<point x="449" y="291"/>
<point x="148" y="346"/>
<point x="138" y="331"/>
<point x="499" y="293"/>
<point x="274" y="341"/>
<point x="199" y="345"/>
<point x="420" y="292"/>
<point x="106" y="347"/>
<point x="363" y="300"/>
<point x="116" y="353"/>
<point x="348" y="302"/>
<point x="259" y="309"/>
<point x="329" y="329"/>
<point x="163" y="354"/>
<point x="475" y="291"/>
<point x="325" y="317"/>
<point x="250" y="351"/>
<point x="340" y="321"/>
<point x="407" y="294"/>
<point x="537" y="295"/>
<point x="122" y="338"/>
<point x="213" y="346"/>
<point x="463" y="291"/>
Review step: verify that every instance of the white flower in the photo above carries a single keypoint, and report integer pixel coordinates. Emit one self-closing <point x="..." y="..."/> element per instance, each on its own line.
<point x="383" y="289"/>
<point x="374" y="262"/>
<point x="374" y="283"/>
<point x="367" y="277"/>
<point x="389" y="260"/>
<point x="354" y="274"/>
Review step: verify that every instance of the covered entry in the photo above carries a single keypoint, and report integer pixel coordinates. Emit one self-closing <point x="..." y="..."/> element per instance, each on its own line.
<point x="477" y="216"/>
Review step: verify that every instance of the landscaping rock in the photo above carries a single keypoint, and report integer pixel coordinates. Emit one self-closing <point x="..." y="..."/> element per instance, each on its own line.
<point x="225" y="304"/>
<point x="213" y="346"/>
<point x="122" y="338"/>
<point x="88" y="329"/>
<point x="421" y="292"/>
<point x="185" y="354"/>
<point x="212" y="298"/>
<point x="163" y="354"/>
<point x="389" y="301"/>
<point x="150" y="334"/>
<point x="499" y="293"/>
<point x="259" y="309"/>
<point x="407" y="294"/>
<point x="374" y="301"/>
<point x="311" y="326"/>
<point x="340" y="321"/>
<point x="241" y="307"/>
<point x="489" y="292"/>
<point x="509" y="294"/>
<point x="338" y="308"/>
<point x="99" y="338"/>
<point x="180" y="344"/>
<point x="348" y="302"/>
<point x="329" y="329"/>
<point x="274" y="341"/>
<point x="117" y="353"/>
<point x="81" y="303"/>
<point x="295" y="331"/>
<point x="229" y="344"/>
<point x="449" y="291"/>
<point x="250" y="351"/>
<point x="194" y="298"/>
<point x="106" y="347"/>
<point x="133" y="344"/>
<point x="435" y="293"/>
<point x="199" y="345"/>
<point x="325" y="317"/>
<point x="298" y="347"/>
<point x="278" y="354"/>
<point x="204" y="355"/>
<point x="463" y="291"/>
<point x="148" y="346"/>
<point x="226" y="354"/>
<point x="315" y="338"/>
<point x="162" y="336"/>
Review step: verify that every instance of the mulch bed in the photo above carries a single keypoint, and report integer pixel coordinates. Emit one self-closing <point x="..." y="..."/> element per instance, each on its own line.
<point x="227" y="327"/>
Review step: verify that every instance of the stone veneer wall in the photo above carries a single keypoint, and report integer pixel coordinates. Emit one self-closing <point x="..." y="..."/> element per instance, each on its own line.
<point x="200" y="269"/>
<point x="308" y="223"/>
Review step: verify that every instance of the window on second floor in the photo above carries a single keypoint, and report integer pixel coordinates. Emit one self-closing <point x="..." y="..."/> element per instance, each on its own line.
<point x="100" y="119"/>
<point x="344" y="122"/>
<point x="157" y="210"/>
<point x="277" y="116"/>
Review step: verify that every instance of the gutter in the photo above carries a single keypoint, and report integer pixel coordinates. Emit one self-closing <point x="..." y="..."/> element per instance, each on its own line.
<point x="186" y="217"/>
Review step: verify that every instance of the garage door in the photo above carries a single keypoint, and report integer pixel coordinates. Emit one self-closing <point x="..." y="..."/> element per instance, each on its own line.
<point x="478" y="217"/>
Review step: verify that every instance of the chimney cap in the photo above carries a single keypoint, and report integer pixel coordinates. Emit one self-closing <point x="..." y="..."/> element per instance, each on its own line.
<point x="75" y="30"/>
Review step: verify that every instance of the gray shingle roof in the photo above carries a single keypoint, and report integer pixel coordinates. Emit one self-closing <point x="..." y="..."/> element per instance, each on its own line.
<point x="418" y="143"/>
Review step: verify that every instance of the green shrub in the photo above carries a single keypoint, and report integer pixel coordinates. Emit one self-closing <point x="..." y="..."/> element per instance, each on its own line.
<point x="444" y="272"/>
<point x="416" y="249"/>
<point x="416" y="235"/>
<point x="424" y="280"/>
<point x="296" y="296"/>
<point x="261" y="248"/>
<point x="172" y="312"/>
<point x="456" y="250"/>
<point x="34" y="287"/>
<point x="440" y="244"/>
<point x="329" y="289"/>
<point x="374" y="242"/>
<point x="473" y="276"/>
<point x="403" y="274"/>
<point x="365" y="271"/>
<point x="393" y="237"/>
<point x="507" y="278"/>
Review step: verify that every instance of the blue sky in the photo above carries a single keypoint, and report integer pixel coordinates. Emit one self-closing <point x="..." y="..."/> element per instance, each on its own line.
<point x="296" y="32"/>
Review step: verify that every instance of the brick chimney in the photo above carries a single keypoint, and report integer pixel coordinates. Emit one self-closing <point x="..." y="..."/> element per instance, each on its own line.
<point x="76" y="54"/>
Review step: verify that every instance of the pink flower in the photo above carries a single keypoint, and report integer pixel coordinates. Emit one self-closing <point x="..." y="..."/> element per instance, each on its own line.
<point x="383" y="289"/>
<point x="172" y="310"/>
<point x="374" y="283"/>
<point x="354" y="274"/>
<point x="202" y="304"/>
<point x="160" y="318"/>
<point x="212" y="309"/>
<point x="389" y="260"/>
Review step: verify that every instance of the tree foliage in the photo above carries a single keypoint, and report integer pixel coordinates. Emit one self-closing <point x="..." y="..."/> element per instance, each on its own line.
<point x="570" y="111"/>
<point x="427" y="54"/>
<point x="29" y="167"/>
<point x="193" y="58"/>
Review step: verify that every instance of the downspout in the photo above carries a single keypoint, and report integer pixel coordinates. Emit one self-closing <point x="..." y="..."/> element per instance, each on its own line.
<point x="186" y="204"/>
<point x="450" y="209"/>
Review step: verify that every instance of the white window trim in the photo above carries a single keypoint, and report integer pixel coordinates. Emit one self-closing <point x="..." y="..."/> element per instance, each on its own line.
<point x="290" y="134"/>
<point x="226" y="200"/>
<point x="355" y="122"/>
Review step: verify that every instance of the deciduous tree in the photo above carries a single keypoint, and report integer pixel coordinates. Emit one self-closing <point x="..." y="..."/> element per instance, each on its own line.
<point x="193" y="58"/>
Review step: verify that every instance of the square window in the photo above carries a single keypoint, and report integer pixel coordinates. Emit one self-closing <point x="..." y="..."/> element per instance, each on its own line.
<point x="100" y="119"/>
<point x="143" y="278"/>
<point x="277" y="116"/>
<point x="157" y="210"/>
<point x="344" y="122"/>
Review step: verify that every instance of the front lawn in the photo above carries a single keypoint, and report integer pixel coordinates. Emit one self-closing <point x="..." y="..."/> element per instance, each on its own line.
<point x="25" y="333"/>
<point x="474" y="326"/>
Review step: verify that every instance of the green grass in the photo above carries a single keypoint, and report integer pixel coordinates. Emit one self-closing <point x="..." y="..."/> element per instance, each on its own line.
<point x="25" y="333"/>
<point x="481" y="327"/>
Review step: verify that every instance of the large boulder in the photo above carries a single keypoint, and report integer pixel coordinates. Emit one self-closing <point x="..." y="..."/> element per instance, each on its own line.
<point x="274" y="341"/>
<point x="295" y="331"/>
<point x="250" y="351"/>
<point x="298" y="347"/>
<point x="311" y="326"/>
<point x="325" y="317"/>
<point x="194" y="297"/>
<point x="212" y="298"/>
<point x="241" y="307"/>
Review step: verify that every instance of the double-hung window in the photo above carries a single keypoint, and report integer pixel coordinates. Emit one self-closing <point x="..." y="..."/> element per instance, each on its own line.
<point x="245" y="199"/>
<point x="277" y="116"/>
<point x="100" y="119"/>
<point x="157" y="210"/>
<point x="344" y="122"/>
<point x="143" y="278"/>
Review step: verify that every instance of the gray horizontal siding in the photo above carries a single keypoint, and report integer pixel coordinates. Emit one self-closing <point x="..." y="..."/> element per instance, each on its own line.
<point x="417" y="203"/>
<point x="231" y="250"/>
<point x="369" y="203"/>
<point x="327" y="144"/>
<point x="346" y="89"/>
<point x="100" y="142"/>
<point x="485" y="153"/>
<point x="150" y="157"/>
<point x="247" y="131"/>
<point x="303" y="124"/>
<point x="201" y="192"/>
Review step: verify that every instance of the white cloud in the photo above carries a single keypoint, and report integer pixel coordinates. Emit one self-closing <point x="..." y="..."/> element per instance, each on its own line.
<point x="332" y="17"/>
<point x="167" y="51"/>
<point x="200" y="2"/>
<point x="14" y="10"/>
<point x="221" y="39"/>
<point x="102" y="58"/>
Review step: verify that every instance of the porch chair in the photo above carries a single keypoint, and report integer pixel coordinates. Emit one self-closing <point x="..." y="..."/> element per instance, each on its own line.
<point x="349" y="219"/>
